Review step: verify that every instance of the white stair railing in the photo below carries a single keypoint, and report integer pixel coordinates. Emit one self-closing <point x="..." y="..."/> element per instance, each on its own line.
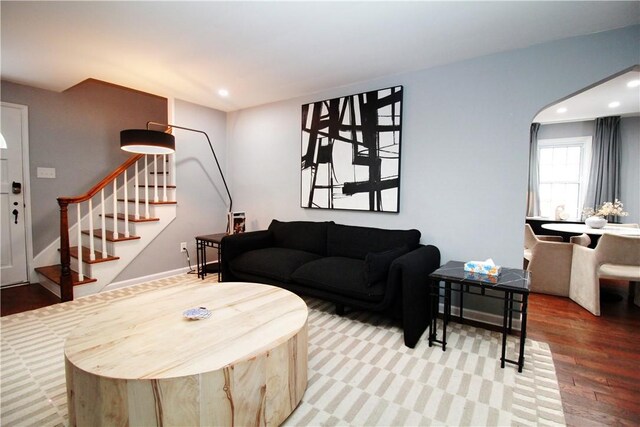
<point x="125" y="170"/>
<point x="146" y="188"/>
<point x="80" y="266"/>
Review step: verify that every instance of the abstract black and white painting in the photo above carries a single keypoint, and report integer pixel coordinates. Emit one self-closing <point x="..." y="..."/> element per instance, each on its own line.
<point x="351" y="152"/>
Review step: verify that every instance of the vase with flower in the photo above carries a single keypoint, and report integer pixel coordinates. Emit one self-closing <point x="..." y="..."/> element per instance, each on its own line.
<point x="597" y="218"/>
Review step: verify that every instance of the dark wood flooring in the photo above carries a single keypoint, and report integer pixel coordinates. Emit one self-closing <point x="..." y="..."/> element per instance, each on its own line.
<point x="597" y="359"/>
<point x="23" y="298"/>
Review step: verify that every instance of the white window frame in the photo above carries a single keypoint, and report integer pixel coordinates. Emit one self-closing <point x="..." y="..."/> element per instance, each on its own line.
<point x="584" y="142"/>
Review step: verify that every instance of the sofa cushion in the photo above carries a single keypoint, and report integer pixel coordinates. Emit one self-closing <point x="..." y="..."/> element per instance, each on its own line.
<point x="300" y="235"/>
<point x="377" y="263"/>
<point x="356" y="242"/>
<point x="343" y="276"/>
<point x="274" y="263"/>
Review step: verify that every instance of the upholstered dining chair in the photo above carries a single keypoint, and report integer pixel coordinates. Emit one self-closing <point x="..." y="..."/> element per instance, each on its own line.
<point x="548" y="259"/>
<point x="614" y="257"/>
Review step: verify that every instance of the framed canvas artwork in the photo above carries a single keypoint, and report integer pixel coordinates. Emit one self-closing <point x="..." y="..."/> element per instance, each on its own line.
<point x="351" y="152"/>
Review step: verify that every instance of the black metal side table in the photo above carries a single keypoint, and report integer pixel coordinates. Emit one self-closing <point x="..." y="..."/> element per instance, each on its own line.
<point x="202" y="242"/>
<point x="510" y="282"/>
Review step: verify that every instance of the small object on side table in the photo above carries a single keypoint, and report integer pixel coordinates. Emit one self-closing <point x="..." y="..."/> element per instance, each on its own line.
<point x="202" y="242"/>
<point x="511" y="282"/>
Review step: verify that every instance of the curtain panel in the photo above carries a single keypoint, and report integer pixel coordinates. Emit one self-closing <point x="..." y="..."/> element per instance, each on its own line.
<point x="533" y="194"/>
<point x="604" y="178"/>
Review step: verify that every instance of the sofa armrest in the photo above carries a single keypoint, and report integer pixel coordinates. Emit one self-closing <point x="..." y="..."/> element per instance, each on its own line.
<point x="412" y="270"/>
<point x="236" y="244"/>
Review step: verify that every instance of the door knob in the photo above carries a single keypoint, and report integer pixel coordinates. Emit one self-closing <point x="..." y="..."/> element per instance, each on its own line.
<point x="15" y="213"/>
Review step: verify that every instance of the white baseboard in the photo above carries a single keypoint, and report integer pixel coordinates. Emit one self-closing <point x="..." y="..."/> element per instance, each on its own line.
<point x="143" y="279"/>
<point x="481" y="316"/>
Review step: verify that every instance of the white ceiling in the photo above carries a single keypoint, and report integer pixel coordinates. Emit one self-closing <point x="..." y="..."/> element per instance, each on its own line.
<point x="594" y="101"/>
<point x="263" y="52"/>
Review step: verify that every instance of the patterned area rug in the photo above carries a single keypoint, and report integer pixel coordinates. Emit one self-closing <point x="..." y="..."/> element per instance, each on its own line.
<point x="360" y="372"/>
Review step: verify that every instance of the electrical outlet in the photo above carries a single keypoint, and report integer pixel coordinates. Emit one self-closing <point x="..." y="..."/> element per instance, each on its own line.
<point x="183" y="246"/>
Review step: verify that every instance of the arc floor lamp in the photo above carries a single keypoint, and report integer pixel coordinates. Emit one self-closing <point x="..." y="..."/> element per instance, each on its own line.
<point x="147" y="141"/>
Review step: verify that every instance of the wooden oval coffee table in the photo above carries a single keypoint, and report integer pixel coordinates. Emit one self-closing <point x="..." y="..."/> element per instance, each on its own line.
<point x="140" y="362"/>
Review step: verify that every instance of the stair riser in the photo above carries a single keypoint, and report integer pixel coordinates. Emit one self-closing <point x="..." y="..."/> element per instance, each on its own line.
<point x="54" y="288"/>
<point x="93" y="270"/>
<point x="97" y="244"/>
<point x="97" y="270"/>
<point x="142" y="208"/>
<point x="171" y="193"/>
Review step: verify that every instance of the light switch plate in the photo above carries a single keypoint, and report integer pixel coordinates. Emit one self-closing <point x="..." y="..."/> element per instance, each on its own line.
<point x="46" y="172"/>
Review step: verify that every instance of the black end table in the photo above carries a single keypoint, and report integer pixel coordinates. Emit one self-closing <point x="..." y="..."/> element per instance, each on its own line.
<point x="202" y="242"/>
<point x="510" y="282"/>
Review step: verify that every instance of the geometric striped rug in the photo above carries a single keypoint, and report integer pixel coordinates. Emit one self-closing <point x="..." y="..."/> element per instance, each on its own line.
<point x="360" y="371"/>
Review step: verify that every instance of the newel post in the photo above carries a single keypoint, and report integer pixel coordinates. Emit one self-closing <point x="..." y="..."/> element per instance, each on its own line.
<point x="66" y="285"/>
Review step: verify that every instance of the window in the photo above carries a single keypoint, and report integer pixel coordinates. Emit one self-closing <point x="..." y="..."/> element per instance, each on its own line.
<point x="563" y="173"/>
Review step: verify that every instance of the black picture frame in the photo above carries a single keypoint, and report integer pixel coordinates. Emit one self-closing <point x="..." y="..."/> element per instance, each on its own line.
<point x="350" y="152"/>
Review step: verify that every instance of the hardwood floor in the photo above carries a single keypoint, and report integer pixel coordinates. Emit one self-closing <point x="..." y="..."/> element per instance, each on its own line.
<point x="23" y="298"/>
<point x="597" y="359"/>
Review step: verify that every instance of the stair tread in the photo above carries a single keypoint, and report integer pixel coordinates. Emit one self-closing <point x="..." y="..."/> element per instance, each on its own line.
<point x="151" y="202"/>
<point x="73" y="251"/>
<point x="54" y="273"/>
<point x="132" y="218"/>
<point x="98" y="233"/>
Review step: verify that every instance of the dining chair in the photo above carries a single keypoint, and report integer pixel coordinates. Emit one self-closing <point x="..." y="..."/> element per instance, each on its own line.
<point x="548" y="259"/>
<point x="614" y="257"/>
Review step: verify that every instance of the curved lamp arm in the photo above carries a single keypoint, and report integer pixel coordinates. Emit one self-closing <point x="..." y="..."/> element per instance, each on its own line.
<point x="224" y="181"/>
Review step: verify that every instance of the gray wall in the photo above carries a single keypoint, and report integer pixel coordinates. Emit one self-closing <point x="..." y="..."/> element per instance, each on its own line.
<point x="630" y="154"/>
<point x="202" y="199"/>
<point x="566" y="130"/>
<point x="464" y="144"/>
<point x="77" y="132"/>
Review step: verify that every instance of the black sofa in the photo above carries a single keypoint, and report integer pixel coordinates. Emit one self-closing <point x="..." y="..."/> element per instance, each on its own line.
<point x="358" y="267"/>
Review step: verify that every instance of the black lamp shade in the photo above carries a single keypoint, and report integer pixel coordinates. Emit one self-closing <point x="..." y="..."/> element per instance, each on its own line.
<point x="144" y="141"/>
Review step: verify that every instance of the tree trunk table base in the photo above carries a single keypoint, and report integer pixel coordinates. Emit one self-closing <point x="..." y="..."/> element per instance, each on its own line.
<point x="139" y="362"/>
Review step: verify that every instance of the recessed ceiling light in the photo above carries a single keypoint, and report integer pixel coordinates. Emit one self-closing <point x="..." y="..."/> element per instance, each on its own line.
<point x="561" y="110"/>
<point x="633" y="83"/>
<point x="614" y="104"/>
<point x="223" y="93"/>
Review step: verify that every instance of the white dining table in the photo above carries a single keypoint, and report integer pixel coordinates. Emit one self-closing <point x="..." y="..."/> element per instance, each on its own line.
<point x="583" y="228"/>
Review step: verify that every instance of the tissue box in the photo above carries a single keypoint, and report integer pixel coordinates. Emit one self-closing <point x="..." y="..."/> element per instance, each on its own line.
<point x="483" y="267"/>
<point x="469" y="275"/>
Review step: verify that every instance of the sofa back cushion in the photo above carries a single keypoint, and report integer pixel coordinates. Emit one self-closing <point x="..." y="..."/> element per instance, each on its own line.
<point x="300" y="235"/>
<point x="356" y="242"/>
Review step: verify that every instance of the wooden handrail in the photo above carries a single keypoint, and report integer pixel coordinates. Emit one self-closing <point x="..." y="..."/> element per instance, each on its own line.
<point x="66" y="283"/>
<point x="106" y="180"/>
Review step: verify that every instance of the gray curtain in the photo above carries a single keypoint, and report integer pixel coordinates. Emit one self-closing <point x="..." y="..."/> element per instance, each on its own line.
<point x="604" y="177"/>
<point x="533" y="195"/>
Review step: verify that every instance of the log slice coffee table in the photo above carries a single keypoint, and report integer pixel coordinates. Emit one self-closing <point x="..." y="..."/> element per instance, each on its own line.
<point x="138" y="361"/>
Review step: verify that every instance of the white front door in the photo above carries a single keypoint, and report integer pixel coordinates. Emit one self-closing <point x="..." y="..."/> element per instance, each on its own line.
<point x="12" y="187"/>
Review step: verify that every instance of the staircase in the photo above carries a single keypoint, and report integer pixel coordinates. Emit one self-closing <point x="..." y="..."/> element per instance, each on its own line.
<point x="115" y="221"/>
